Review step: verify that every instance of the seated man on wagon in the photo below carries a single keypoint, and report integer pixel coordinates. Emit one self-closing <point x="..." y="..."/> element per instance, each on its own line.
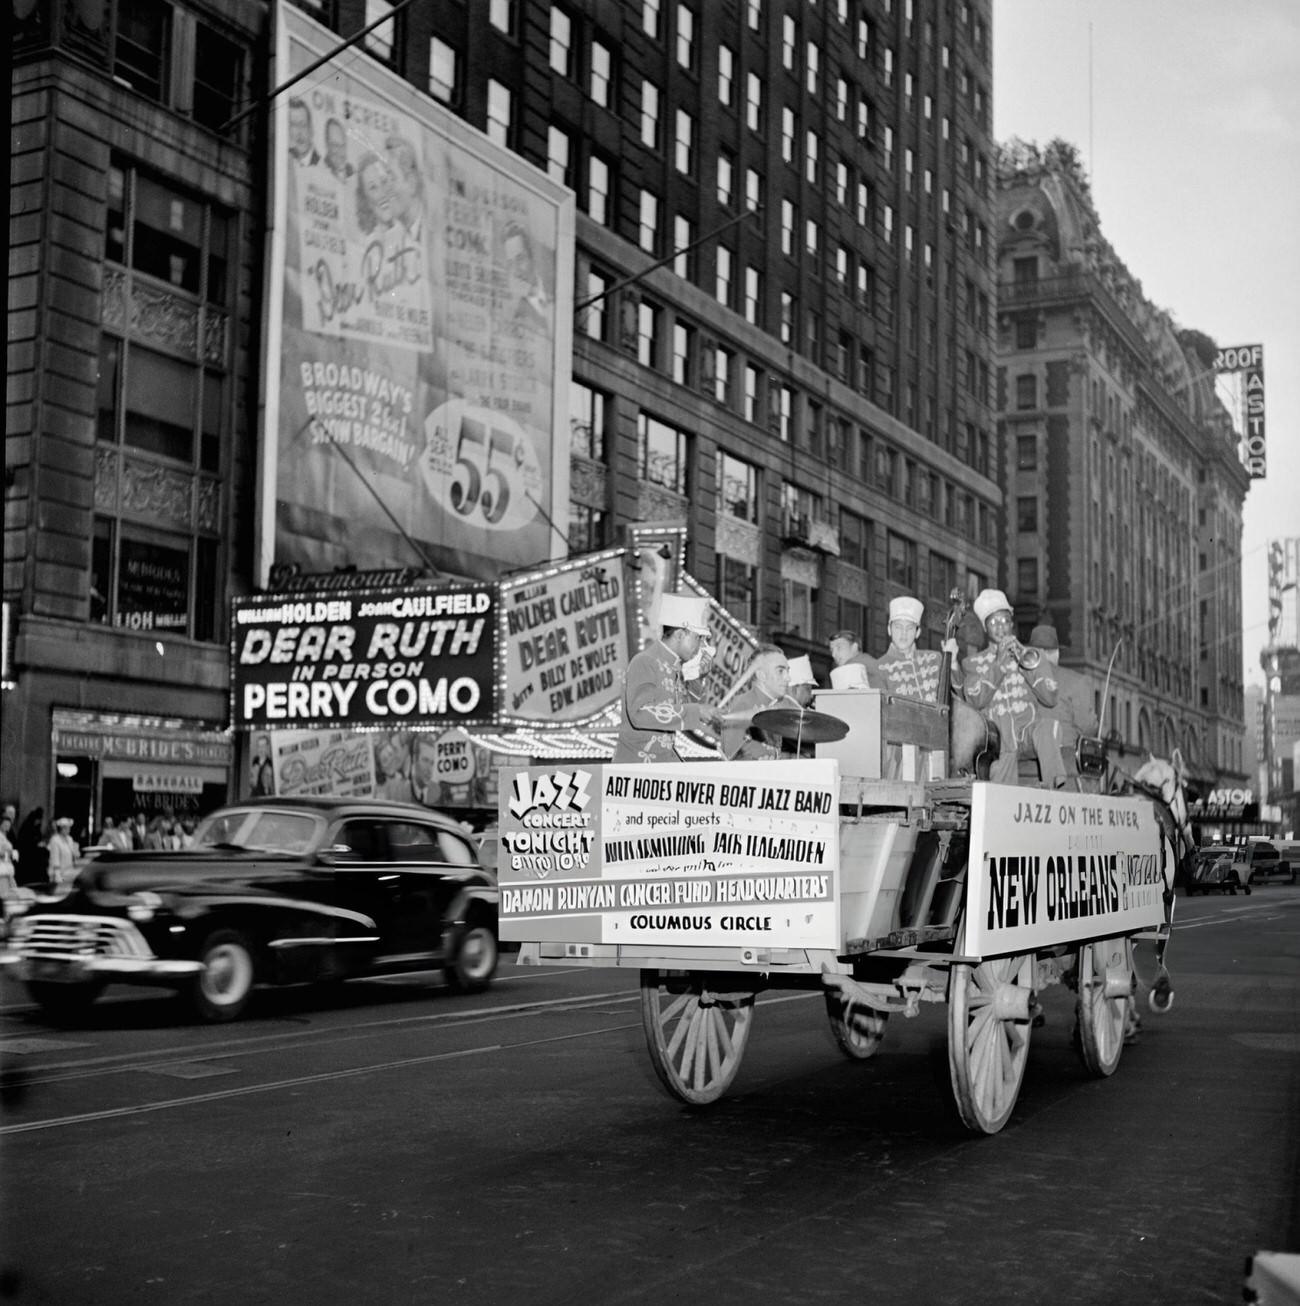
<point x="768" y="676"/>
<point x="664" y="686"/>
<point x="1012" y="685"/>
<point x="1072" y="715"/>
<point x="846" y="651"/>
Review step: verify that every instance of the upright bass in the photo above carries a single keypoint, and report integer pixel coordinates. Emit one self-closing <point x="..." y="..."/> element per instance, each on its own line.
<point x="972" y="742"/>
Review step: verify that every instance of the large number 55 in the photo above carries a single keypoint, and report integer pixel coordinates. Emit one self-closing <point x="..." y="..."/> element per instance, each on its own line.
<point x="466" y="475"/>
<point x="502" y="449"/>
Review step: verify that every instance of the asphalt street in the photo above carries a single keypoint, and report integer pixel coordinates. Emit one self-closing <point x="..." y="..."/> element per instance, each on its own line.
<point x="393" y="1143"/>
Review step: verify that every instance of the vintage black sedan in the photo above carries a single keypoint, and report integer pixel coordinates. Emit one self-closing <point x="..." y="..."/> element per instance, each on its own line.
<point x="274" y="891"/>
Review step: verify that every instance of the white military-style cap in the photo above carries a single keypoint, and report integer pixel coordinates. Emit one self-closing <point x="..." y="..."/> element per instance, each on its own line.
<point x="988" y="602"/>
<point x="905" y="609"/>
<point x="852" y="675"/>
<point x="688" y="611"/>
<point x="801" y="672"/>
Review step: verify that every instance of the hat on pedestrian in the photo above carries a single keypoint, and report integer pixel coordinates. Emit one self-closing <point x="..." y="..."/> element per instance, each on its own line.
<point x="801" y="672"/>
<point x="846" y="634"/>
<point x="988" y="602"/>
<point x="63" y="820"/>
<point x="852" y="675"/>
<point x="686" y="611"/>
<point x="905" y="609"/>
<point x="1043" y="637"/>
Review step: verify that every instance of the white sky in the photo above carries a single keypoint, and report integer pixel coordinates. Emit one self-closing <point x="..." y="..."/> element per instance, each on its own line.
<point x="1189" y="126"/>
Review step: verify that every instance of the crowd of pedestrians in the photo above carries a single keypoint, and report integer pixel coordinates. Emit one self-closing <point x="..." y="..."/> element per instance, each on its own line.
<point x="37" y="855"/>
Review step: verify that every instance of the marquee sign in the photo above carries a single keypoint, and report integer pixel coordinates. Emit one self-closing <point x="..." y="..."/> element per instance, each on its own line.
<point x="1249" y="361"/>
<point x="421" y="656"/>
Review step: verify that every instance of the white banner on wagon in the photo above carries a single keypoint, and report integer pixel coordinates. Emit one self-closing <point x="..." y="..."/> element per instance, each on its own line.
<point x="745" y="854"/>
<point x="1054" y="867"/>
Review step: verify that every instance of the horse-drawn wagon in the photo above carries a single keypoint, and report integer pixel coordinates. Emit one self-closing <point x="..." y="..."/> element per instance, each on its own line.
<point x="717" y="881"/>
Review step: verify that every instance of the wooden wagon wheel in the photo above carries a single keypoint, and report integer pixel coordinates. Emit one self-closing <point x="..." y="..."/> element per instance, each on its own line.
<point x="989" y="1009"/>
<point x="1105" y="995"/>
<point x="856" y="1027"/>
<point x="696" y="1035"/>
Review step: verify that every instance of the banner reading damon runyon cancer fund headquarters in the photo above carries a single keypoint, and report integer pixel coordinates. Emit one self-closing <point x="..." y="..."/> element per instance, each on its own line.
<point x="419" y="313"/>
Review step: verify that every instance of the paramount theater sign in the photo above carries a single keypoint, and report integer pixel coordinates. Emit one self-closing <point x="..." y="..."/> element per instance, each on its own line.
<point x="417" y="656"/>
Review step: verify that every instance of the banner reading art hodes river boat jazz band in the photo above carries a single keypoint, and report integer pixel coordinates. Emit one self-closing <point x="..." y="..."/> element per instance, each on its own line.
<point x="419" y="315"/>
<point x="745" y="855"/>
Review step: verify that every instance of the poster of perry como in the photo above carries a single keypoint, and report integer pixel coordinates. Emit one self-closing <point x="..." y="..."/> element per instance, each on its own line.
<point x="419" y="315"/>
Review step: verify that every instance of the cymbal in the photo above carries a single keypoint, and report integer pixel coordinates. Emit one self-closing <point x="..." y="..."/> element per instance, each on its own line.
<point x="806" y="725"/>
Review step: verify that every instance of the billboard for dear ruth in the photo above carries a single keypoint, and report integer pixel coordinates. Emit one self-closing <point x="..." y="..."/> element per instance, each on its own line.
<point x="418" y="328"/>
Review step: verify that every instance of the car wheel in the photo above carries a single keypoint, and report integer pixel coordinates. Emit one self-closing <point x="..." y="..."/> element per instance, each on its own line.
<point x="223" y="988"/>
<point x="64" y="1002"/>
<point x="471" y="968"/>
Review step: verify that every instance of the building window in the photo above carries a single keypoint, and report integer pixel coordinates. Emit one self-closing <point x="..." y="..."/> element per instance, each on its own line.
<point x="855" y="540"/>
<point x="1026" y="453"/>
<point x="812" y="238"/>
<point x="789" y="130"/>
<point x="737" y="488"/>
<point x="587" y="409"/>
<point x="723" y="363"/>
<point x="685" y="36"/>
<point x="650" y="17"/>
<point x="753" y="102"/>
<point x="798" y="605"/>
<point x="784" y="406"/>
<point x="592" y="318"/>
<point x="789" y="315"/>
<point x="661" y="453"/>
<point x="649" y="114"/>
<point x="789" y="42"/>
<point x="1027" y="513"/>
<point x="498" y="113"/>
<point x="557" y="155"/>
<point x="726" y="75"/>
<point x="754" y="14"/>
<point x="811" y="156"/>
<point x="442" y="71"/>
<point x="685" y="141"/>
<point x="1026" y="578"/>
<point x="598" y="208"/>
<point x="561" y="42"/>
<point x="601" y="74"/>
<point x="753" y="189"/>
<point x="738" y="585"/>
<point x="683" y="353"/>
<point x="501" y="14"/>
<point x="647" y="334"/>
<point x="788" y="222"/>
<point x="753" y="295"/>
<point x="218" y="76"/>
<point x="722" y="289"/>
<point x="684" y="255"/>
<point x="751" y="393"/>
<point x="726" y="178"/>
<point x="1027" y="390"/>
<point x="943" y="575"/>
<point x="813" y="67"/>
<point x="648" y="222"/>
<point x="381" y="41"/>
<point x="586" y="528"/>
<point x="900" y="560"/>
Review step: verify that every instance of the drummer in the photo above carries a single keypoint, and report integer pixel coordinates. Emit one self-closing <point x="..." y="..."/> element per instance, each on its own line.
<point x="846" y="650"/>
<point x="769" y="687"/>
<point x="665" y="683"/>
<point x="910" y="671"/>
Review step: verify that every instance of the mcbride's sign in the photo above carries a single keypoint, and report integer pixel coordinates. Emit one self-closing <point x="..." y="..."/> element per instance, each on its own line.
<point x="414" y="657"/>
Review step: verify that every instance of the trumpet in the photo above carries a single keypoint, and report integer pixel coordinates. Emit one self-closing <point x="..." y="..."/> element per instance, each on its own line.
<point x="1028" y="658"/>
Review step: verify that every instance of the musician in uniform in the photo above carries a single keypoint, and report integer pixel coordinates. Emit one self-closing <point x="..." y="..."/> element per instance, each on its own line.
<point x="665" y="682"/>
<point x="908" y="670"/>
<point x="1073" y="713"/>
<point x="1014" y="687"/>
<point x="769" y="687"/>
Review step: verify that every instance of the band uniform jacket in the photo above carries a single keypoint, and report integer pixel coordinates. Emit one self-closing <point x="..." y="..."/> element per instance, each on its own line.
<point x="657" y="703"/>
<point x="915" y="674"/>
<point x="1011" y="704"/>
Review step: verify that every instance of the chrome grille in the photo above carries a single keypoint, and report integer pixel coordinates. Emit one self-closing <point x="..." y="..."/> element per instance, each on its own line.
<point x="78" y="936"/>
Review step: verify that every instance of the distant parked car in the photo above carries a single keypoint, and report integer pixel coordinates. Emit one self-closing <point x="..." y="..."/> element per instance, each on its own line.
<point x="1214" y="872"/>
<point x="273" y="891"/>
<point x="1261" y="860"/>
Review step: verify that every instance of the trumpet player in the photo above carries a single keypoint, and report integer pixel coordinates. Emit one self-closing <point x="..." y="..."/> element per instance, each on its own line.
<point x="1014" y="687"/>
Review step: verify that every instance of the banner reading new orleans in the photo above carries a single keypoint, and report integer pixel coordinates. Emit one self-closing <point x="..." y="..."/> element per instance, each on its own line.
<point x="672" y="854"/>
<point x="424" y="278"/>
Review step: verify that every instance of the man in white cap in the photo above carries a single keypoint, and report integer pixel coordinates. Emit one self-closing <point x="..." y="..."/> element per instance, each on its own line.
<point x="65" y="853"/>
<point x="768" y="688"/>
<point x="910" y="671"/>
<point x="1013" y="686"/>
<point x="665" y="682"/>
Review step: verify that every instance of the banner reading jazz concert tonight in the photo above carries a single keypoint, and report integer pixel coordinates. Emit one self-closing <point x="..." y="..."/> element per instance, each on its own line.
<point x="419" y="314"/>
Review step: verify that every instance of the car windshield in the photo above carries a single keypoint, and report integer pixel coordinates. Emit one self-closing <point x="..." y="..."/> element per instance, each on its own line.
<point x="261" y="829"/>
